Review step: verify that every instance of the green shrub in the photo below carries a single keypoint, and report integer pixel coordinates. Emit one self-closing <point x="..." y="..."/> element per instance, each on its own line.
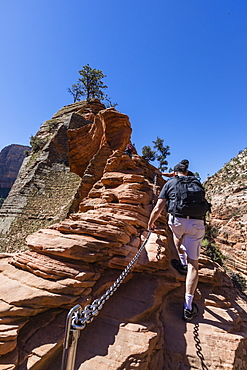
<point x="213" y="251"/>
<point x="36" y="143"/>
<point x="238" y="281"/>
<point x="51" y="124"/>
<point x="214" y="232"/>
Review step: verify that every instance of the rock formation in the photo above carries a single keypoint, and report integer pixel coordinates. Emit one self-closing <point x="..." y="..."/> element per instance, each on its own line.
<point x="75" y="260"/>
<point x="45" y="188"/>
<point x="11" y="158"/>
<point x="227" y="190"/>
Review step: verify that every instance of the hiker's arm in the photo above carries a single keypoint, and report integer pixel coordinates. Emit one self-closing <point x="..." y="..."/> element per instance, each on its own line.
<point x="168" y="174"/>
<point x="156" y="213"/>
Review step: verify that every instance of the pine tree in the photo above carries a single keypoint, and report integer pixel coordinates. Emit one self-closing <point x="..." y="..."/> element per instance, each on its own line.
<point x="160" y="153"/>
<point x="163" y="152"/>
<point x="90" y="84"/>
<point x="75" y="91"/>
<point x="148" y="153"/>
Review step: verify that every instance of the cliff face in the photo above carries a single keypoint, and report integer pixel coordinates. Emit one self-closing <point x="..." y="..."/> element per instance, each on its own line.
<point x="11" y="158"/>
<point x="227" y="190"/>
<point x="75" y="260"/>
<point x="45" y="188"/>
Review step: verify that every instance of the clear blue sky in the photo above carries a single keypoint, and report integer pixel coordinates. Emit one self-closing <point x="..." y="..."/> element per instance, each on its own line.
<point x="177" y="68"/>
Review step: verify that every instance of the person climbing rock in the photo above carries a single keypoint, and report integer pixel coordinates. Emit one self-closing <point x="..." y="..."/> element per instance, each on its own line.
<point x="130" y="149"/>
<point x="172" y="174"/>
<point x="186" y="222"/>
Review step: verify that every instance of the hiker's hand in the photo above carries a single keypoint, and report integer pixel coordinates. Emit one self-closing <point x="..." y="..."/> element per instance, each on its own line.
<point x="151" y="226"/>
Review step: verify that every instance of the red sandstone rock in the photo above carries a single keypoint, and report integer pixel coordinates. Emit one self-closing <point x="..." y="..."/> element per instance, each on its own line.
<point x="109" y="126"/>
<point x="76" y="260"/>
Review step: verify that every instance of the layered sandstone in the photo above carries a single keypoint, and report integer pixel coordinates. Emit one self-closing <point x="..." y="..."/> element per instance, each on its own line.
<point x="75" y="260"/>
<point x="227" y="190"/>
<point x="45" y="188"/>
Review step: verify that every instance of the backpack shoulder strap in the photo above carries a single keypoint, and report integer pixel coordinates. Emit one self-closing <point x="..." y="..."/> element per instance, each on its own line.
<point x="178" y="180"/>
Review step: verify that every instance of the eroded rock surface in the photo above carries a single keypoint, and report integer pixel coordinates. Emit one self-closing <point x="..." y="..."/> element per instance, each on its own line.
<point x="75" y="260"/>
<point x="227" y="190"/>
<point x="46" y="190"/>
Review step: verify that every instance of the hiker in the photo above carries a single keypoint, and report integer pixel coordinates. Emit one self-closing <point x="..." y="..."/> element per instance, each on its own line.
<point x="129" y="150"/>
<point x="186" y="210"/>
<point x="172" y="174"/>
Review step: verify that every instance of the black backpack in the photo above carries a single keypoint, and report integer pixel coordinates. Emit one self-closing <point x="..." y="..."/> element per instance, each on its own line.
<point x="190" y="197"/>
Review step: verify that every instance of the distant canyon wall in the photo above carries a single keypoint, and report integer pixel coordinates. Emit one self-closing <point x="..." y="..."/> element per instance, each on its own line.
<point x="11" y="158"/>
<point x="227" y="190"/>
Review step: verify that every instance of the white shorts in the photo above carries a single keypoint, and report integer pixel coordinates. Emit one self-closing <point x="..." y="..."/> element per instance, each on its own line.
<point x="191" y="231"/>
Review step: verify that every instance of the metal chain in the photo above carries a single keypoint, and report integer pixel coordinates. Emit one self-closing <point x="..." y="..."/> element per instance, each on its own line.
<point x="154" y="190"/>
<point x="153" y="204"/>
<point x="77" y="318"/>
<point x="198" y="346"/>
<point x="81" y="319"/>
<point x="158" y="248"/>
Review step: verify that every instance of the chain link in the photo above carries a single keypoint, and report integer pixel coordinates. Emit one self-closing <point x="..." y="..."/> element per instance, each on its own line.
<point x="80" y="320"/>
<point x="158" y="248"/>
<point x="198" y="346"/>
<point x="153" y="204"/>
<point x="154" y="190"/>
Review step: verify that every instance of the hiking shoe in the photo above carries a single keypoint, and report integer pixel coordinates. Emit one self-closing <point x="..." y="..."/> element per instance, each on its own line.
<point x="178" y="266"/>
<point x="189" y="314"/>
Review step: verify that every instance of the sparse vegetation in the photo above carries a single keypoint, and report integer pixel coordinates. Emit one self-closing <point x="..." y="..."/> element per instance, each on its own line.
<point x="148" y="153"/>
<point x="91" y="86"/>
<point x="36" y="143"/>
<point x="51" y="124"/>
<point x="214" y="232"/>
<point x="159" y="153"/>
<point x="213" y="251"/>
<point x="237" y="280"/>
<point x="197" y="175"/>
<point x="210" y="247"/>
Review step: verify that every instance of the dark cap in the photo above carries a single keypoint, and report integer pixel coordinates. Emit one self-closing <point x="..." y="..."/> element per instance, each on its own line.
<point x="185" y="162"/>
<point x="180" y="168"/>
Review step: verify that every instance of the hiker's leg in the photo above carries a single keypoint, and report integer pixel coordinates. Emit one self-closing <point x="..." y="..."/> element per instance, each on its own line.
<point x="178" y="243"/>
<point x="192" y="239"/>
<point x="192" y="242"/>
<point x="191" y="283"/>
<point x="181" y="254"/>
<point x="192" y="276"/>
<point x="177" y="233"/>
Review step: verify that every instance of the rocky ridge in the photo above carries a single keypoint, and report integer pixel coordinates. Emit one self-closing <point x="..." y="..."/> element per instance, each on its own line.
<point x="227" y="190"/>
<point x="76" y="259"/>
<point x="45" y="189"/>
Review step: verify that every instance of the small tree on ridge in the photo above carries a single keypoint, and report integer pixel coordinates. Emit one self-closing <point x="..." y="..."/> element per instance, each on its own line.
<point x="90" y="84"/>
<point x="159" y="153"/>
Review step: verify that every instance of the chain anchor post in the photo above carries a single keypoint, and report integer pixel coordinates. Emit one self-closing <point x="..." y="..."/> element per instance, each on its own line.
<point x="78" y="318"/>
<point x="70" y="339"/>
